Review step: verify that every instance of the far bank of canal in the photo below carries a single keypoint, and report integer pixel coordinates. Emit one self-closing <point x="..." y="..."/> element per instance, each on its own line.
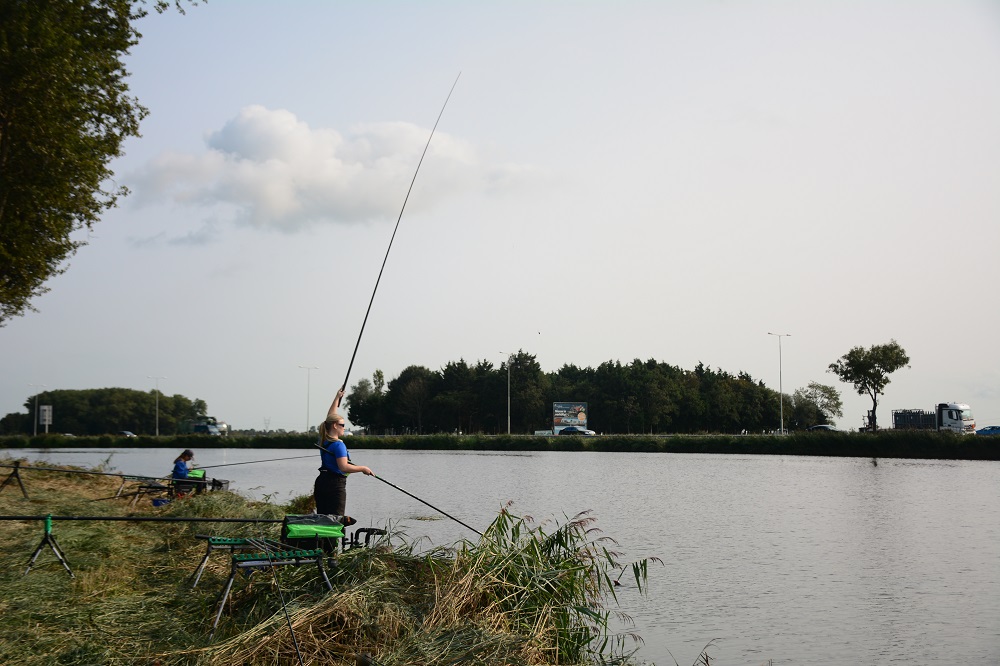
<point x="884" y="444"/>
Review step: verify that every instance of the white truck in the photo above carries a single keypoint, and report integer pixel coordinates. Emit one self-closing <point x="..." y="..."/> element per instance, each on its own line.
<point x="947" y="416"/>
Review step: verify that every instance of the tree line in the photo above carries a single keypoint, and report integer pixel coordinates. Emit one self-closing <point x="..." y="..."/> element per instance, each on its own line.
<point x="642" y="397"/>
<point x="108" y="410"/>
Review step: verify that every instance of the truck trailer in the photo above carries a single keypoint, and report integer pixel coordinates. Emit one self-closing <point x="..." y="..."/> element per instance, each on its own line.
<point x="947" y="416"/>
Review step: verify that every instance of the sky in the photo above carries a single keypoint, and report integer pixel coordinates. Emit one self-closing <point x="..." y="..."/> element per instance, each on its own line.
<point x="625" y="180"/>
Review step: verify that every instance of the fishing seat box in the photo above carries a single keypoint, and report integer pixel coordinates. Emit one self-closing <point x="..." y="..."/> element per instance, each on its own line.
<point x="312" y="530"/>
<point x="194" y="483"/>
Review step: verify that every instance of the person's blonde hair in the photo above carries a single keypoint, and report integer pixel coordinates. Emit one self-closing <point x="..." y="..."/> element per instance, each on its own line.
<point x="325" y="432"/>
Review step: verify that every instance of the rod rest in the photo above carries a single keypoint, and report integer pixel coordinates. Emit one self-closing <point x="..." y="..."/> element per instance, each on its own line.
<point x="267" y="558"/>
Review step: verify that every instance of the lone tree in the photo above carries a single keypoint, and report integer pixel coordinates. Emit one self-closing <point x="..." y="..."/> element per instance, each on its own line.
<point x="817" y="403"/>
<point x="869" y="369"/>
<point x="65" y="113"/>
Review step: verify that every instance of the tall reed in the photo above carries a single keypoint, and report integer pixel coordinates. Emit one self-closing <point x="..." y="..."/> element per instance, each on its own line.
<point x="521" y="595"/>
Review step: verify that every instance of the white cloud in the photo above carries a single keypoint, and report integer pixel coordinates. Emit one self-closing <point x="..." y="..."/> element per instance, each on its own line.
<point x="278" y="173"/>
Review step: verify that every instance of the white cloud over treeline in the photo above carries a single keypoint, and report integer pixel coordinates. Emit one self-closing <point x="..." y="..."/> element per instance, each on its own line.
<point x="267" y="169"/>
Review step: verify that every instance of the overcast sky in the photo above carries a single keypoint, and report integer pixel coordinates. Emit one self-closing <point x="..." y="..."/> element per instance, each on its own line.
<point x="610" y="181"/>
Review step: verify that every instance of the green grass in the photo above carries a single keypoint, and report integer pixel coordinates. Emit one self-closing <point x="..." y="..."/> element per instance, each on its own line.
<point x="522" y="594"/>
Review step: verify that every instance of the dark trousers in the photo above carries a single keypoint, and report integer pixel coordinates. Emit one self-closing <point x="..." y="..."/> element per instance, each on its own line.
<point x="330" y="493"/>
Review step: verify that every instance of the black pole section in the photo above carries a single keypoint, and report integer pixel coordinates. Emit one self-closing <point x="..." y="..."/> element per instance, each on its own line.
<point x="148" y="519"/>
<point x="407" y="198"/>
<point x="427" y="503"/>
<point x="82" y="471"/>
<point x="281" y="597"/>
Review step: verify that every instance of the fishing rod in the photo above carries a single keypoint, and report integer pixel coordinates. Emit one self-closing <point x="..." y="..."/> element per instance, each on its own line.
<point x="363" y="323"/>
<point x="318" y="446"/>
<point x="417" y="498"/>
<point x="249" y="462"/>
<point x="427" y="503"/>
<point x="148" y="519"/>
<point x="407" y="198"/>
<point x="281" y="598"/>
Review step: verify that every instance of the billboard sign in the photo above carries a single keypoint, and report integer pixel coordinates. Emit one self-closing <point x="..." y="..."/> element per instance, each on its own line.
<point x="45" y="415"/>
<point x="568" y="414"/>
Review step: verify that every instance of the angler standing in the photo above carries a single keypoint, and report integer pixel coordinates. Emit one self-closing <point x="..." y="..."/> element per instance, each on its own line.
<point x="330" y="490"/>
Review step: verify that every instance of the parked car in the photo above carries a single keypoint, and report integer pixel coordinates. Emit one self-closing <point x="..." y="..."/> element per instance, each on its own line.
<point x="989" y="430"/>
<point x="576" y="430"/>
<point x="822" y="426"/>
<point x="126" y="433"/>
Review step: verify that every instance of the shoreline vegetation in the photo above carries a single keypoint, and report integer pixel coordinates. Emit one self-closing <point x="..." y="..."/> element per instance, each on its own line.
<point x="924" y="444"/>
<point x="523" y="594"/>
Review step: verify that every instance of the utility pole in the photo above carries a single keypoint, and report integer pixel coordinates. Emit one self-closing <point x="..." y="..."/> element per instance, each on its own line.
<point x="509" y="356"/>
<point x="781" y="395"/>
<point x="157" y="379"/>
<point x="308" y="369"/>
<point x="36" y="406"/>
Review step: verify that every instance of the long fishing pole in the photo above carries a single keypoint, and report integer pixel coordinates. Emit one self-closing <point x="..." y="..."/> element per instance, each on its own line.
<point x="427" y="503"/>
<point x="249" y="462"/>
<point x="365" y="321"/>
<point x="422" y="155"/>
<point x="418" y="499"/>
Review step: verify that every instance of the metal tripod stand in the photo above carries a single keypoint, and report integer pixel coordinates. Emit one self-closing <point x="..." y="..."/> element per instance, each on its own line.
<point x="50" y="541"/>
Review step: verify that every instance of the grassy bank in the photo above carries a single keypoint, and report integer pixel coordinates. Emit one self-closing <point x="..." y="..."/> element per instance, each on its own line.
<point x="884" y="444"/>
<point x="523" y="594"/>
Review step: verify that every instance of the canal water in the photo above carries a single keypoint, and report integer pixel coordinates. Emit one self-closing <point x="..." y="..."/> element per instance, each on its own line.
<point x="774" y="559"/>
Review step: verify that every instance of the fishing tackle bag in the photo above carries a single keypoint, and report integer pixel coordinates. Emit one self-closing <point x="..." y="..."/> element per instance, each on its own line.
<point x="312" y="530"/>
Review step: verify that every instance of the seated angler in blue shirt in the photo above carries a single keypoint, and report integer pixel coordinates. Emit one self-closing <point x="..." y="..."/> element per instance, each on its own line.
<point x="181" y="464"/>
<point x="330" y="490"/>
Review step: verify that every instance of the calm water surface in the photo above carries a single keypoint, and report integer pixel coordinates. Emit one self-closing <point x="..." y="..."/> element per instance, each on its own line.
<point x="799" y="560"/>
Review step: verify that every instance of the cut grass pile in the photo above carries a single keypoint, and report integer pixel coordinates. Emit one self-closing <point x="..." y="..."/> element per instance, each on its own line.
<point x="522" y="594"/>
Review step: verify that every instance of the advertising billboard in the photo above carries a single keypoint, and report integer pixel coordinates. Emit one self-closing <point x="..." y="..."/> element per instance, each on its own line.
<point x="567" y="414"/>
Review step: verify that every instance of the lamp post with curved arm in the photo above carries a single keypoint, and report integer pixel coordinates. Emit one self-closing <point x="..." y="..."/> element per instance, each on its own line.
<point x="308" y="369"/>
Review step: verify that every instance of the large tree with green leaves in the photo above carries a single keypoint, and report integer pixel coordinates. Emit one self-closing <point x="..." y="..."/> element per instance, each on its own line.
<point x="869" y="369"/>
<point x="816" y="403"/>
<point x="65" y="113"/>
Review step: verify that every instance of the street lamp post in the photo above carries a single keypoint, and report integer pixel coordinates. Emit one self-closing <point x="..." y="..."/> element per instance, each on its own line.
<point x="781" y="395"/>
<point x="509" y="356"/>
<point x="308" y="369"/>
<point x="36" y="406"/>
<point x="157" y="380"/>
